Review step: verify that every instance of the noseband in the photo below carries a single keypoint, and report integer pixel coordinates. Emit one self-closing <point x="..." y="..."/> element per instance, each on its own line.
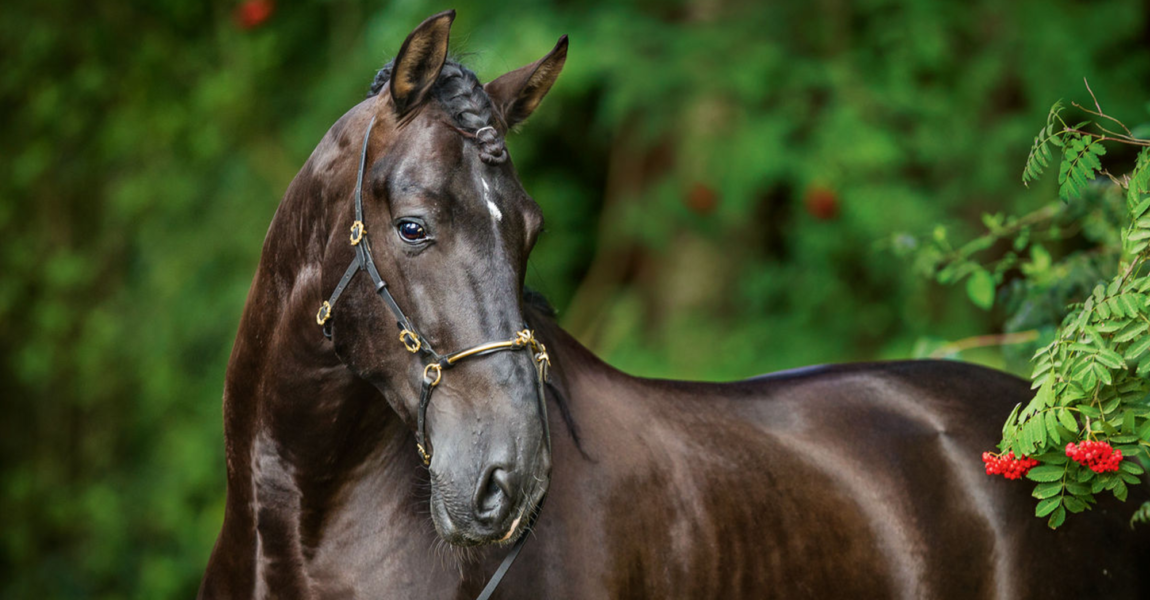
<point x="435" y="363"/>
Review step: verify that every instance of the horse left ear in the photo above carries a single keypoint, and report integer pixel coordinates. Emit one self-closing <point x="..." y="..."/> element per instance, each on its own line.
<point x="419" y="61"/>
<point x="516" y="94"/>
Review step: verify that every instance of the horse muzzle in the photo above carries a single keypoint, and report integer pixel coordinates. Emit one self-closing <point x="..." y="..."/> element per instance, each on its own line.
<point x="495" y="509"/>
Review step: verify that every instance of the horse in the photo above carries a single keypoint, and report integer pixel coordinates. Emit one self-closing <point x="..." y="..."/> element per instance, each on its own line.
<point x="347" y="478"/>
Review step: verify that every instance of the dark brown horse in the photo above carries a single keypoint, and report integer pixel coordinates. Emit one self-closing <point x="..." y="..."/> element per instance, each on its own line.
<point x="856" y="481"/>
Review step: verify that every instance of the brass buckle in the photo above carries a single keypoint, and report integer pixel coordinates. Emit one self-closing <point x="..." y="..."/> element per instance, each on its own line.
<point x="525" y="338"/>
<point x="410" y="341"/>
<point x="357" y="231"/>
<point x="423" y="455"/>
<point x="324" y="313"/>
<point x="438" y="374"/>
<point x="542" y="357"/>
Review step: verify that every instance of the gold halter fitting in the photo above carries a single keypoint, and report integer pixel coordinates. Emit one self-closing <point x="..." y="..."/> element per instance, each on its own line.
<point x="357" y="231"/>
<point x="423" y="455"/>
<point x="438" y="374"/>
<point x="324" y="313"/>
<point x="410" y="341"/>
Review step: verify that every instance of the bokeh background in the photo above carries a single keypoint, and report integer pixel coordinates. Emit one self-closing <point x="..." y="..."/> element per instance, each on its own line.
<point x="720" y="181"/>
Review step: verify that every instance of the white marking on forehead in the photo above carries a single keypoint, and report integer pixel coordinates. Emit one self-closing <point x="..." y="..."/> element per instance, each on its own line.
<point x="494" y="210"/>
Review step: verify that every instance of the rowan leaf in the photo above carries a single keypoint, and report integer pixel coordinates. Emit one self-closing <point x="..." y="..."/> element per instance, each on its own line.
<point x="1044" y="473"/>
<point x="1047" y="506"/>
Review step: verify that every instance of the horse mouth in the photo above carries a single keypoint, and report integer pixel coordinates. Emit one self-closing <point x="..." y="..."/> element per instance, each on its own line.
<point x="469" y="532"/>
<point x="511" y="531"/>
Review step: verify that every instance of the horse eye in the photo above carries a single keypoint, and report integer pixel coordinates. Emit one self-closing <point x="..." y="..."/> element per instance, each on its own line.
<point x="411" y="231"/>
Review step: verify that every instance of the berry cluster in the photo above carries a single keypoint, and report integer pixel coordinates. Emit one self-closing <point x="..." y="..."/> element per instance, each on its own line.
<point x="1099" y="456"/>
<point x="1007" y="465"/>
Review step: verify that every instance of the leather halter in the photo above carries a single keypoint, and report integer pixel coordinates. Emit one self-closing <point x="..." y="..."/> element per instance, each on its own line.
<point x="435" y="363"/>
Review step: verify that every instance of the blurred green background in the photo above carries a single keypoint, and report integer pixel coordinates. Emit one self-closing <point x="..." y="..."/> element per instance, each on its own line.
<point x="717" y="177"/>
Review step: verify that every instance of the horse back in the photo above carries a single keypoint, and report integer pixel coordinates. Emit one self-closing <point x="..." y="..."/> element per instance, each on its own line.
<point x="860" y="481"/>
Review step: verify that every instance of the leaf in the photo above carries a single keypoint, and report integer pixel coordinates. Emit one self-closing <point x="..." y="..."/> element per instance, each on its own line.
<point x="1138" y="348"/>
<point x="1135" y="329"/>
<point x="1011" y="420"/>
<point x="1128" y="305"/>
<point x="1073" y="504"/>
<point x="980" y="289"/>
<point x="1036" y="430"/>
<point x="1044" y="473"/>
<point x="1139" y="182"/>
<point x="1047" y="506"/>
<point x="1057" y="518"/>
<point x="1078" y="489"/>
<point x="1051" y="423"/>
<point x="1144" y="205"/>
<point x="1046" y="490"/>
<point x="1068" y="421"/>
<point x="1045" y="395"/>
<point x="1083" y="348"/>
<point x="1131" y="467"/>
<point x="1054" y="457"/>
<point x="1110" y="359"/>
<point x="1120" y="491"/>
<point x="1090" y="411"/>
<point x="1139" y="234"/>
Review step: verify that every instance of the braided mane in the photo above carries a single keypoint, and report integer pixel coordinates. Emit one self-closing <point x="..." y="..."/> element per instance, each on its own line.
<point x="462" y="96"/>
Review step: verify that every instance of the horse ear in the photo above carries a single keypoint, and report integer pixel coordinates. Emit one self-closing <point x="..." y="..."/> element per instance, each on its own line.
<point x="516" y="94"/>
<point x="420" y="59"/>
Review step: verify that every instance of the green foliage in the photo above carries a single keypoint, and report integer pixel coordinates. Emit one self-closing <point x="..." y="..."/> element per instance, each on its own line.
<point x="1040" y="153"/>
<point x="1092" y="378"/>
<point x="1079" y="165"/>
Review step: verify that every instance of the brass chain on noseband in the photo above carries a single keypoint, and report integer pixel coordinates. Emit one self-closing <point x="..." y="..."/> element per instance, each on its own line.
<point x="433" y="370"/>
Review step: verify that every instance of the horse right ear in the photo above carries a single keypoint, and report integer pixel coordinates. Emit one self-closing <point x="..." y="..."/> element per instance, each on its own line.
<point x="420" y="59"/>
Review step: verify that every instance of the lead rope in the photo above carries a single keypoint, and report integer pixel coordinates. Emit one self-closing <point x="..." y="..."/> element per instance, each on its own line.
<point x="433" y="370"/>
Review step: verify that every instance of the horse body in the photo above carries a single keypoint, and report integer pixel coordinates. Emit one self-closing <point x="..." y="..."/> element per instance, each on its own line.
<point x="854" y="481"/>
<point x="849" y="481"/>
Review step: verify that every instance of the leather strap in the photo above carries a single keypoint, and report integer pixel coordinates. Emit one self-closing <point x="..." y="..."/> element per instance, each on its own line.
<point x="511" y="556"/>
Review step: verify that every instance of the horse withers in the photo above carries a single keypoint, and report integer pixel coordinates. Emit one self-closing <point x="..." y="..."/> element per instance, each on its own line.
<point x="399" y="442"/>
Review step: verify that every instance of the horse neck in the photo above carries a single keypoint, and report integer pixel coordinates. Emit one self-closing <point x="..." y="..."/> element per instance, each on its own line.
<point x="299" y="426"/>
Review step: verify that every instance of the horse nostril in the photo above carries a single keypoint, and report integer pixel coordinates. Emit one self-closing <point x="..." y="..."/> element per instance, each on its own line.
<point x="493" y="495"/>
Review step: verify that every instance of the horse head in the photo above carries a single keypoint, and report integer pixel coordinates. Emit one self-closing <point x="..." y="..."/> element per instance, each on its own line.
<point x="444" y="221"/>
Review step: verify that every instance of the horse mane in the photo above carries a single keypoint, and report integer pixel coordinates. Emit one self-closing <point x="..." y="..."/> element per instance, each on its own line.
<point x="536" y="300"/>
<point x="462" y="96"/>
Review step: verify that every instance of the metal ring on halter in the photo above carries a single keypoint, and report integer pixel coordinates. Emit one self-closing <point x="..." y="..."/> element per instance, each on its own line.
<point x="480" y="130"/>
<point x="357" y="231"/>
<point x="324" y="313"/>
<point x="410" y="341"/>
<point x="438" y="374"/>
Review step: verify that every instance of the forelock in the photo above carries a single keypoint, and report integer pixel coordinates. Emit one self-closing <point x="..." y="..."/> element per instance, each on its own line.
<point x="462" y="96"/>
